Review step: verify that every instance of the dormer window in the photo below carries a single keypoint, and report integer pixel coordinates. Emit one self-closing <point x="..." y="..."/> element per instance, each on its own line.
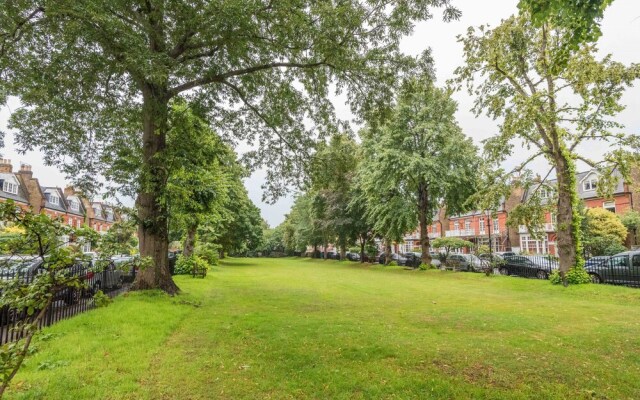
<point x="590" y="184"/>
<point x="74" y="205"/>
<point x="9" y="187"/>
<point x="96" y="211"/>
<point x="544" y="193"/>
<point x="55" y="200"/>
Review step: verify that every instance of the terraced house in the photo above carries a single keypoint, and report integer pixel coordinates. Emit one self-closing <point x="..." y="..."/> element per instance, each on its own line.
<point x="75" y="210"/>
<point x="483" y="227"/>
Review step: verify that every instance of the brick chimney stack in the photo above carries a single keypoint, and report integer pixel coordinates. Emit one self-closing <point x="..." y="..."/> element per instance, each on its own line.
<point x="31" y="187"/>
<point x="25" y="169"/>
<point x="5" y="166"/>
<point x="69" y="191"/>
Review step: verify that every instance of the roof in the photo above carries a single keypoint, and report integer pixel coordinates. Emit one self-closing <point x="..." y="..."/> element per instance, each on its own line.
<point x="581" y="177"/>
<point x="22" y="195"/>
<point x="48" y="205"/>
<point x="80" y="210"/>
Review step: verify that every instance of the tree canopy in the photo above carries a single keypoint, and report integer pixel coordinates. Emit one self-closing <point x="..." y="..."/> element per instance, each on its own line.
<point x="262" y="71"/>
<point x="416" y="163"/>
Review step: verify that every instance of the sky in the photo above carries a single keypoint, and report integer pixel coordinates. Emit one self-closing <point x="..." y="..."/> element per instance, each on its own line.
<point x="621" y="38"/>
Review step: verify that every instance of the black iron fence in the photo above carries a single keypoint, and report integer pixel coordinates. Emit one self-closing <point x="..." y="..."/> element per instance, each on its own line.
<point x="68" y="301"/>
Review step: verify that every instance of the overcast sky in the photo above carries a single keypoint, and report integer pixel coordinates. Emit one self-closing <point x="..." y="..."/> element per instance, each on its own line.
<point x="621" y="37"/>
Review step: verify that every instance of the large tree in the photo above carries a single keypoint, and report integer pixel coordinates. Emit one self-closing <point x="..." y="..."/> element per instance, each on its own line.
<point x="96" y="77"/>
<point x="422" y="159"/>
<point x="549" y="106"/>
<point x="332" y="170"/>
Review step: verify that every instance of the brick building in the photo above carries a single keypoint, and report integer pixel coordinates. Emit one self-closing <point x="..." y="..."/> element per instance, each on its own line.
<point x="75" y="210"/>
<point x="477" y="226"/>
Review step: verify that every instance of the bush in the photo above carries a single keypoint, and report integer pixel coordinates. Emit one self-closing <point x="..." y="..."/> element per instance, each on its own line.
<point x="575" y="276"/>
<point x="393" y="264"/>
<point x="208" y="252"/>
<point x="424" y="267"/>
<point x="186" y="265"/>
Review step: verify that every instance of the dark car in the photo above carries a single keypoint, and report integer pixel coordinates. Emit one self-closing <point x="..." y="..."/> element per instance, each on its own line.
<point x="621" y="269"/>
<point x="107" y="274"/>
<point x="413" y="259"/>
<point x="594" y="261"/>
<point x="26" y="269"/>
<point x="466" y="262"/>
<point x="397" y="258"/>
<point x="351" y="256"/>
<point x="529" y="266"/>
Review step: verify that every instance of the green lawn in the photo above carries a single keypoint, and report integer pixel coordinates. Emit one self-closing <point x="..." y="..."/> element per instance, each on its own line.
<point x="304" y="329"/>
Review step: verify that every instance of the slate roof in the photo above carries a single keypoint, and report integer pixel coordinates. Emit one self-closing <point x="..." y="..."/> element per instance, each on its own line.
<point x="583" y="194"/>
<point x="57" y="207"/>
<point x="21" y="196"/>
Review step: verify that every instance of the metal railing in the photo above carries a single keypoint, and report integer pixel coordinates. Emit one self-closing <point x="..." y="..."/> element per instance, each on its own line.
<point x="548" y="227"/>
<point x="460" y="232"/>
<point x="68" y="301"/>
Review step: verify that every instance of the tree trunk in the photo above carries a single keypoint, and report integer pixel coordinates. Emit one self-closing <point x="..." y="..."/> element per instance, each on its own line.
<point x="362" y="245"/>
<point x="153" y="229"/>
<point x="324" y="250"/>
<point x="423" y="203"/>
<point x="387" y="251"/>
<point x="343" y="250"/>
<point x="221" y="253"/>
<point x="315" y="251"/>
<point x="565" y="232"/>
<point x="189" y="241"/>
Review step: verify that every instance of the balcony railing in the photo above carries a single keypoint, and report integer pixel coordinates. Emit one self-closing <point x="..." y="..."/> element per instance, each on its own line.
<point x="433" y="235"/>
<point x="548" y="227"/>
<point x="460" y="232"/>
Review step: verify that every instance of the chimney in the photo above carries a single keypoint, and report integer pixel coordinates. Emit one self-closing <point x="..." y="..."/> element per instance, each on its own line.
<point x="25" y="169"/>
<point x="5" y="166"/>
<point x="69" y="191"/>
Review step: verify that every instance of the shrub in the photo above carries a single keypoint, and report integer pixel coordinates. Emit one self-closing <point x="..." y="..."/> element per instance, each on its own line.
<point x="393" y="264"/>
<point x="208" y="252"/>
<point x="575" y="276"/>
<point x="186" y="265"/>
<point x="424" y="267"/>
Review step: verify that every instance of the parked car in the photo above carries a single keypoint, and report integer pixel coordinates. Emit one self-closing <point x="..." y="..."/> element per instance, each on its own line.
<point x="26" y="269"/>
<point x="397" y="258"/>
<point x="332" y="255"/>
<point x="529" y="266"/>
<point x="351" y="256"/>
<point x="597" y="260"/>
<point x="107" y="275"/>
<point x="621" y="269"/>
<point x="414" y="259"/>
<point x="466" y="262"/>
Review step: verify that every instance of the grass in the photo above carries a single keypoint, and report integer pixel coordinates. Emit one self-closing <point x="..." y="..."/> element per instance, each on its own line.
<point x="306" y="329"/>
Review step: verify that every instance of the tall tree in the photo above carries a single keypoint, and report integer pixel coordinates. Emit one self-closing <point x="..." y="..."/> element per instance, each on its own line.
<point x="331" y="172"/>
<point x="551" y="107"/>
<point x="94" y="74"/>
<point x="200" y="168"/>
<point x="420" y="160"/>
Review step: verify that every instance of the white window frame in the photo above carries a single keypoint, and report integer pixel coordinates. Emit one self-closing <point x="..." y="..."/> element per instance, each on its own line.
<point x="544" y="193"/>
<point x="10" y="187"/>
<point x="467" y="224"/>
<point x="55" y="200"/>
<point x="590" y="185"/>
<point x="481" y="224"/>
<point x="74" y="205"/>
<point x="456" y="226"/>
<point x="496" y="225"/>
<point x="608" y="205"/>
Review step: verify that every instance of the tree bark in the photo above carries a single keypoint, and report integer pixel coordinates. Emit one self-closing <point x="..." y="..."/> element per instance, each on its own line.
<point x="221" y="253"/>
<point x="387" y="251"/>
<point x="153" y="229"/>
<point x="189" y="241"/>
<point x="362" y="245"/>
<point x="565" y="229"/>
<point x="343" y="251"/>
<point x="423" y="202"/>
